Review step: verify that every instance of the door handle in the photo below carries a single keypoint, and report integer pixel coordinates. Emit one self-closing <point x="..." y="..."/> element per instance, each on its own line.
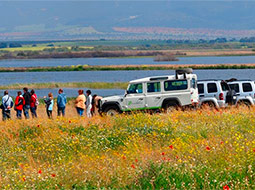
<point x="201" y="95"/>
<point x="140" y="99"/>
<point x="158" y="98"/>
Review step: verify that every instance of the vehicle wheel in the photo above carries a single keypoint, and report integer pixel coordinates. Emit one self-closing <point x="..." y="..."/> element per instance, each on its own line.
<point x="170" y="107"/>
<point x="244" y="103"/>
<point x="111" y="111"/>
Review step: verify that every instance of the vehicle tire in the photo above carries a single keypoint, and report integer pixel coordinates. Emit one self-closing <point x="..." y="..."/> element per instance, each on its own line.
<point x="111" y="111"/>
<point x="170" y="107"/>
<point x="186" y="70"/>
<point x="244" y="103"/>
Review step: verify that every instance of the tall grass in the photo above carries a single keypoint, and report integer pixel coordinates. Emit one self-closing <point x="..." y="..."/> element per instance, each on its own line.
<point x="125" y="67"/>
<point x="93" y="85"/>
<point x="182" y="150"/>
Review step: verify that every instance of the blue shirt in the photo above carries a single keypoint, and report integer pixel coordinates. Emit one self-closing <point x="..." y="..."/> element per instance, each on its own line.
<point x="61" y="100"/>
<point x="51" y="105"/>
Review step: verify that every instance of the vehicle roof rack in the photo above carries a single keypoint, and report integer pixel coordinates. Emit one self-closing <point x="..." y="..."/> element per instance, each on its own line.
<point x="231" y="80"/>
<point x="210" y="80"/>
<point x="243" y="80"/>
<point x="158" y="78"/>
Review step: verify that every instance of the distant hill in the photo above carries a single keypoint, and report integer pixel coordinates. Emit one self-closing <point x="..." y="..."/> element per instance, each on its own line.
<point x="118" y="19"/>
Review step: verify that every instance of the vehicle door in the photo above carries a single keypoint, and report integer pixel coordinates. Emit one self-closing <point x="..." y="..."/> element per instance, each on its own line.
<point x="212" y="90"/>
<point x="135" y="97"/>
<point x="235" y="87"/>
<point x="201" y="91"/>
<point x="225" y="89"/>
<point x="247" y="89"/>
<point x="153" y="95"/>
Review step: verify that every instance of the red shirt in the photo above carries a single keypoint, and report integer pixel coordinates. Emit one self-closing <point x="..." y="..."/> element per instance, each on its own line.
<point x="33" y="100"/>
<point x="19" y="102"/>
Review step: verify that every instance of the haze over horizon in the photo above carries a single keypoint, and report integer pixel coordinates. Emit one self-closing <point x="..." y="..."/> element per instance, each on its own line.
<point x="82" y="19"/>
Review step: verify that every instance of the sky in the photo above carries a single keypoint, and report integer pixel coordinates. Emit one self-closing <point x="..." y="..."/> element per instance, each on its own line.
<point x="103" y="16"/>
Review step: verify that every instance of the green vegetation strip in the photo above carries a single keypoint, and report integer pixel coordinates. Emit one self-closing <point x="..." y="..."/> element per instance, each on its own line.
<point x="93" y="85"/>
<point x="126" y="68"/>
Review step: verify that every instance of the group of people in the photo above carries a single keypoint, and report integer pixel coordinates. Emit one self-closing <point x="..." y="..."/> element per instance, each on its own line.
<point x="28" y="102"/>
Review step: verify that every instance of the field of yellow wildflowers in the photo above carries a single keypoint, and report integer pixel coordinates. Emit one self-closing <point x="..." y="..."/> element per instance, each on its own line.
<point x="182" y="150"/>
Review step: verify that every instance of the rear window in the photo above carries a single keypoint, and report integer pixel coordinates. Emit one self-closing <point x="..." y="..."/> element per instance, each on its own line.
<point x="211" y="87"/>
<point x="175" y="85"/>
<point x="201" y="89"/>
<point x="247" y="87"/>
<point x="235" y="87"/>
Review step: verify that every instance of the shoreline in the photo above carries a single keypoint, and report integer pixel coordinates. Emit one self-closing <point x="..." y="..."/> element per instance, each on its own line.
<point x="128" y="67"/>
<point x="20" y="55"/>
<point x="92" y="85"/>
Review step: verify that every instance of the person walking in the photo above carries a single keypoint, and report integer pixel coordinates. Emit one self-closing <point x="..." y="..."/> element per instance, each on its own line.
<point x="88" y="103"/>
<point x="61" y="102"/>
<point x="33" y="103"/>
<point x="80" y="102"/>
<point x="19" y="103"/>
<point x="27" y="98"/>
<point x="7" y="104"/>
<point x="49" y="104"/>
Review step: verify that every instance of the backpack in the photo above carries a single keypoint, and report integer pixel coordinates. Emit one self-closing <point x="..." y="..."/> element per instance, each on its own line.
<point x="36" y="101"/>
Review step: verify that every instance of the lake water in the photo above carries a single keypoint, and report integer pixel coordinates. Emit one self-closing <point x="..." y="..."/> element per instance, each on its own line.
<point x="108" y="76"/>
<point x="114" y="76"/>
<point x="124" y="61"/>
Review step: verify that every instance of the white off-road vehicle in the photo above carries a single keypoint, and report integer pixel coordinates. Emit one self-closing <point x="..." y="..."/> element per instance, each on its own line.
<point x="215" y="93"/>
<point x="155" y="93"/>
<point x="245" y="91"/>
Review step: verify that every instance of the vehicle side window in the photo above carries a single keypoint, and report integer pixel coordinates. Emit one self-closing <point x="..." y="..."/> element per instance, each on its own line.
<point x="247" y="87"/>
<point x="135" y="88"/>
<point x="201" y="89"/>
<point x="153" y="87"/>
<point x="211" y="87"/>
<point x="175" y="85"/>
<point x="235" y="87"/>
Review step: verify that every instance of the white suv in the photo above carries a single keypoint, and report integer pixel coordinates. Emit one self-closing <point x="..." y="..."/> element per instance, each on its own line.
<point x="215" y="93"/>
<point x="245" y="91"/>
<point x="155" y="93"/>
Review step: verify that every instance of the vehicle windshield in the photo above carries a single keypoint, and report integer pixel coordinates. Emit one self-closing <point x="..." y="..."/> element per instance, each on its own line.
<point x="135" y="88"/>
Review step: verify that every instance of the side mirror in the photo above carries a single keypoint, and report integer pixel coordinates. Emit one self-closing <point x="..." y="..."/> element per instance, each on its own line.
<point x="126" y="93"/>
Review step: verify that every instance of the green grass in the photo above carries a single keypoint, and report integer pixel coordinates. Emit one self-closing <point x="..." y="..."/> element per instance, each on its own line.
<point x="93" y="85"/>
<point x="200" y="149"/>
<point x="124" y="68"/>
